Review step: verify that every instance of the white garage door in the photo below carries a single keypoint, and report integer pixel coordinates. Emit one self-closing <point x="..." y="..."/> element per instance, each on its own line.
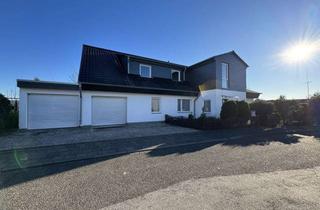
<point x="109" y="110"/>
<point x="53" y="111"/>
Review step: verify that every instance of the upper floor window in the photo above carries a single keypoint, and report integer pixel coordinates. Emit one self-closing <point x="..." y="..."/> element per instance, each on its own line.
<point x="145" y="70"/>
<point x="225" y="75"/>
<point x="184" y="105"/>
<point x="175" y="75"/>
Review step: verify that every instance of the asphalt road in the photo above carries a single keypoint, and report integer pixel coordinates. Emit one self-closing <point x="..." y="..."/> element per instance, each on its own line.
<point x="99" y="183"/>
<point x="292" y="189"/>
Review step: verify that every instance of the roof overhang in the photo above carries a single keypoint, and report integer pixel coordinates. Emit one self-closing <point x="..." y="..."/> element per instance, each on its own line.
<point x="252" y="94"/>
<point x="46" y="85"/>
<point x="134" y="89"/>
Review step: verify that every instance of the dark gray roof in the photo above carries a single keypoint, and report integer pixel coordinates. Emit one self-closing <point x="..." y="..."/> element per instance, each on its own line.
<point x="213" y="58"/>
<point x="46" y="85"/>
<point x="106" y="67"/>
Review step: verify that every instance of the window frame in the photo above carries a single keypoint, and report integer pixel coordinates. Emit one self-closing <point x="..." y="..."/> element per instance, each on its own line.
<point x="179" y="105"/>
<point x="145" y="65"/>
<point x="227" y="75"/>
<point x="204" y="102"/>
<point x="179" y="73"/>
<point x="159" y="100"/>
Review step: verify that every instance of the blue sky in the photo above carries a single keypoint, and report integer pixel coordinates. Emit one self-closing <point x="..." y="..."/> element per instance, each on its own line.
<point x="44" y="38"/>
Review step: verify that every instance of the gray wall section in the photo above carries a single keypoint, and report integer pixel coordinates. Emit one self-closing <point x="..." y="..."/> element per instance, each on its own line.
<point x="209" y="75"/>
<point x="202" y="74"/>
<point x="237" y="72"/>
<point x="156" y="71"/>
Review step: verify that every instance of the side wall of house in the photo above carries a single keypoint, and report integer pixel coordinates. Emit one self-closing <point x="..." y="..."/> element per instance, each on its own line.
<point x="203" y="74"/>
<point x="216" y="97"/>
<point x="138" y="106"/>
<point x="237" y="72"/>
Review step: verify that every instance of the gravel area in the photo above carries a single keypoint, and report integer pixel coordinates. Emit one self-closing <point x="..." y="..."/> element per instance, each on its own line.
<point x="33" y="138"/>
<point x="99" y="183"/>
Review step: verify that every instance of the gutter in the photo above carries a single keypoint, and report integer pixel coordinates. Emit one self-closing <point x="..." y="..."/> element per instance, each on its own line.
<point x="135" y="87"/>
<point x="194" y="104"/>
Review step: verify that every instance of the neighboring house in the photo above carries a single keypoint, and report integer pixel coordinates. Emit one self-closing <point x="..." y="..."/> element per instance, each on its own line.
<point x="118" y="88"/>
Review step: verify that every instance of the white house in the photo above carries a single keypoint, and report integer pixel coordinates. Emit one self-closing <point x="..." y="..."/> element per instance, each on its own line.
<point x="118" y="88"/>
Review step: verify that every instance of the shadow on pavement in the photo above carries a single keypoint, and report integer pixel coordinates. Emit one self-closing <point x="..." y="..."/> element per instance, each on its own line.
<point x="15" y="177"/>
<point x="241" y="142"/>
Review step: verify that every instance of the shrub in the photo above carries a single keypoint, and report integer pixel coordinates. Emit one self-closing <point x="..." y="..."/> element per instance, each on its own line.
<point x="203" y="122"/>
<point x="5" y="108"/>
<point x="263" y="110"/>
<point x="229" y="110"/>
<point x="203" y="116"/>
<point x="272" y="120"/>
<point x="12" y="120"/>
<point x="190" y="117"/>
<point x="315" y="107"/>
<point x="299" y="115"/>
<point x="243" y="112"/>
<point x="281" y="105"/>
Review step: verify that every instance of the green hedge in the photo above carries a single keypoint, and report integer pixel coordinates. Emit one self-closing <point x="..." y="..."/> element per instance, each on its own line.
<point x="8" y="115"/>
<point x="203" y="122"/>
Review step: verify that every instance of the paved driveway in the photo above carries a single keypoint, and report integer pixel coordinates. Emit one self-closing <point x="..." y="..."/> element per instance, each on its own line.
<point x="98" y="183"/>
<point x="33" y="138"/>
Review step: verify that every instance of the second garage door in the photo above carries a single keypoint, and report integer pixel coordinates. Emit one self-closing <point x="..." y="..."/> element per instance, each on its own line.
<point x="108" y="110"/>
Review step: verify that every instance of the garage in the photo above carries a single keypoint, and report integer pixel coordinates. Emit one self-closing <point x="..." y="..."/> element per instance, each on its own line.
<point x="52" y="111"/>
<point x="109" y="110"/>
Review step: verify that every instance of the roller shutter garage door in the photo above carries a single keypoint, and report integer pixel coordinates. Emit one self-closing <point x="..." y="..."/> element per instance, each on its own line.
<point x="109" y="110"/>
<point x="53" y="111"/>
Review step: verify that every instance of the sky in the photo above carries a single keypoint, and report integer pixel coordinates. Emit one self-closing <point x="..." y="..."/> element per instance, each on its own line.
<point x="44" y="39"/>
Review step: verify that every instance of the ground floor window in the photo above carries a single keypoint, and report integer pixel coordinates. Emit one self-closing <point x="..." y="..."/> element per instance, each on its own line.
<point x="155" y="105"/>
<point x="184" y="105"/>
<point x="207" y="106"/>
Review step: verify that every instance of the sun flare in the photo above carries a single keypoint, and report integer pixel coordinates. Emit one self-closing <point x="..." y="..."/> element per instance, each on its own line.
<point x="300" y="52"/>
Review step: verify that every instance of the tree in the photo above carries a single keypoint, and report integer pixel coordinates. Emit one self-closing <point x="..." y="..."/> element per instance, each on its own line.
<point x="74" y="77"/>
<point x="282" y="106"/>
<point x="5" y="108"/>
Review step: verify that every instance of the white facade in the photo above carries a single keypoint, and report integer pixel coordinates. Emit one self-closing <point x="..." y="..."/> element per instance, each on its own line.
<point x="132" y="107"/>
<point x="138" y="106"/>
<point x="216" y="97"/>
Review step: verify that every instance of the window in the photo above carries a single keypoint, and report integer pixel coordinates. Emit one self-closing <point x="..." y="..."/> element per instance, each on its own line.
<point x="183" y="105"/>
<point x="207" y="106"/>
<point x="225" y="75"/>
<point x="145" y="70"/>
<point x="175" y="75"/>
<point x="155" y="105"/>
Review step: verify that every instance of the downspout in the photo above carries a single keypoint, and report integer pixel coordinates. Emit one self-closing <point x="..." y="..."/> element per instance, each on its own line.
<point x="194" y="104"/>
<point x="80" y="94"/>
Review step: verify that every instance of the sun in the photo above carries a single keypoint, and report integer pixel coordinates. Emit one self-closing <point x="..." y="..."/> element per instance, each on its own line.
<point x="300" y="52"/>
